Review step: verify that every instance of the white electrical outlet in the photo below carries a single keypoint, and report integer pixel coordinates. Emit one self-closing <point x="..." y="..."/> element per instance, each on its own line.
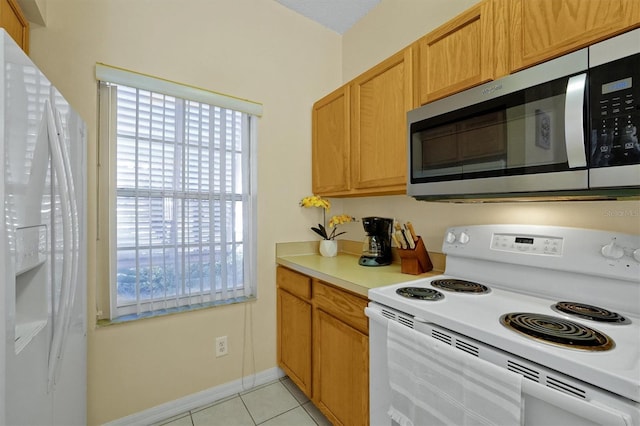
<point x="221" y="346"/>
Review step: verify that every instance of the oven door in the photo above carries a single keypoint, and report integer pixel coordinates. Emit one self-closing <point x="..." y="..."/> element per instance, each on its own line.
<point x="543" y="406"/>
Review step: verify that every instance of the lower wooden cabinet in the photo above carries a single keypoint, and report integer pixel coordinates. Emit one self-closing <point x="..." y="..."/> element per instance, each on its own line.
<point x="340" y="370"/>
<point x="323" y="345"/>
<point x="294" y="327"/>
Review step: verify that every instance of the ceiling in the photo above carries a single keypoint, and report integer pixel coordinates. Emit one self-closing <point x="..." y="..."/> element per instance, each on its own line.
<point x="337" y="15"/>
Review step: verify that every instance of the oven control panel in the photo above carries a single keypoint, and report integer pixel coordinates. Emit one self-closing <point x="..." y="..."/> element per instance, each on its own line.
<point x="527" y="244"/>
<point x="589" y="252"/>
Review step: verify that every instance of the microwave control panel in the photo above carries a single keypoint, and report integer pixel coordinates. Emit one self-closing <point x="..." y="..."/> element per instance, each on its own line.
<point x="615" y="112"/>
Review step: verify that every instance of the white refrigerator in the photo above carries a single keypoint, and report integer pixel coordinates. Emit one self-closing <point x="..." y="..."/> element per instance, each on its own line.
<point x="42" y="249"/>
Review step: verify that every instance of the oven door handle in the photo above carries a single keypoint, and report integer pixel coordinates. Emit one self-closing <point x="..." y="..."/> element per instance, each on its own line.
<point x="590" y="410"/>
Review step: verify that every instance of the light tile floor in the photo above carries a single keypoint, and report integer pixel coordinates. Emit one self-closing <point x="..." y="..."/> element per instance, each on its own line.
<point x="279" y="403"/>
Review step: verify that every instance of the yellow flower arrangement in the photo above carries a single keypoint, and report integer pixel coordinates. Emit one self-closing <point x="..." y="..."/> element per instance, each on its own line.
<point x="315" y="201"/>
<point x="339" y="220"/>
<point x="318" y="201"/>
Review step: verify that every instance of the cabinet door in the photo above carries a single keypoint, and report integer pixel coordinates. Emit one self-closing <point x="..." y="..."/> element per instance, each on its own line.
<point x="381" y="98"/>
<point x="341" y="371"/>
<point x="330" y="143"/>
<point x="14" y="22"/>
<point x="294" y="339"/>
<point x="544" y="29"/>
<point x="468" y="50"/>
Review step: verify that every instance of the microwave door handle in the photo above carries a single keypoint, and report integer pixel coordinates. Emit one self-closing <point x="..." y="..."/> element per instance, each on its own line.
<point x="574" y="121"/>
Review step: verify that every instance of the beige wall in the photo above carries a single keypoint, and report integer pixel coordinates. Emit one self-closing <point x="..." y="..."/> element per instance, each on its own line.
<point x="254" y="49"/>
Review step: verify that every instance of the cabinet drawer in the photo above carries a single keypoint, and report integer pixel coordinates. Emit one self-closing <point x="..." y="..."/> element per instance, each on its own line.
<point x="344" y="306"/>
<point x="294" y="283"/>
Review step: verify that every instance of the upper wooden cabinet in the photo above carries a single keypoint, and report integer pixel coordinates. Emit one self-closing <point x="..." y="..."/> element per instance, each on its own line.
<point x="380" y="100"/>
<point x="359" y="132"/>
<point x="544" y="29"/>
<point x="331" y="155"/>
<point x="13" y="21"/>
<point x="468" y="50"/>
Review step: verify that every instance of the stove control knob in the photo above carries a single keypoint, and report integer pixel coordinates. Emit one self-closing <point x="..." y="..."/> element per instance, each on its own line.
<point x="464" y="238"/>
<point x="612" y="250"/>
<point x="636" y="254"/>
<point x="450" y="238"/>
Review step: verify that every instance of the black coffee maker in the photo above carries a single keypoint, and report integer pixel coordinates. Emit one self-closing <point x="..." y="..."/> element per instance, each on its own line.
<point x="376" y="250"/>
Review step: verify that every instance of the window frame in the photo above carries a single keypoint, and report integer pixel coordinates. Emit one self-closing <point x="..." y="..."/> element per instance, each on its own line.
<point x="107" y="191"/>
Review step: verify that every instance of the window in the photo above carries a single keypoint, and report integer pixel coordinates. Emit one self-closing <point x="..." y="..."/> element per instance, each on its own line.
<point x="181" y="192"/>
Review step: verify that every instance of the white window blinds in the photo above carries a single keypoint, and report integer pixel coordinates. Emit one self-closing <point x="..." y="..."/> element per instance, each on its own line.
<point x="182" y="201"/>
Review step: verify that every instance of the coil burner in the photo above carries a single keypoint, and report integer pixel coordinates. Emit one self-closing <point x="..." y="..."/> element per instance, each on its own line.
<point x="420" y="293"/>
<point x="557" y="331"/>
<point x="593" y="313"/>
<point x="460" y="286"/>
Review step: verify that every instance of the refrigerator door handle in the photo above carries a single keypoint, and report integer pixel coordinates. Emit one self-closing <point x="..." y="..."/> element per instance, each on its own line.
<point x="74" y="236"/>
<point x="64" y="307"/>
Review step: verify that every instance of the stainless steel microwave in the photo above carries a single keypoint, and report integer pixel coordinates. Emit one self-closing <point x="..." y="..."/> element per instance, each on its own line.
<point x="568" y="126"/>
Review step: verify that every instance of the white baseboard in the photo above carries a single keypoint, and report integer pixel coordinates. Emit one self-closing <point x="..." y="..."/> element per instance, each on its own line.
<point x="200" y="399"/>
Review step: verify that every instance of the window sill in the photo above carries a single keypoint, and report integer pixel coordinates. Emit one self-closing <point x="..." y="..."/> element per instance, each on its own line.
<point x="164" y="312"/>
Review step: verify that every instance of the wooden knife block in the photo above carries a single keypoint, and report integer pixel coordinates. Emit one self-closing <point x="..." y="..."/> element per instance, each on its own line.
<point x="415" y="261"/>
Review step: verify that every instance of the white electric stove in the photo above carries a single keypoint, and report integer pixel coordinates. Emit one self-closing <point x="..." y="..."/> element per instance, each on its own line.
<point x="561" y="306"/>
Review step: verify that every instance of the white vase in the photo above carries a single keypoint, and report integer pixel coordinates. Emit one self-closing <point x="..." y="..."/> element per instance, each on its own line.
<point x="328" y="248"/>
